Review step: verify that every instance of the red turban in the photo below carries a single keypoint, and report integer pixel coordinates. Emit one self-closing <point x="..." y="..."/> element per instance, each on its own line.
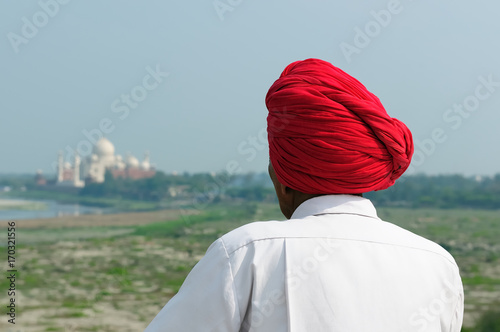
<point x="329" y="135"/>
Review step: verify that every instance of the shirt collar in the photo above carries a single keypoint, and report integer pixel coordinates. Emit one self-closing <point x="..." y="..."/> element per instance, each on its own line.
<point x="335" y="204"/>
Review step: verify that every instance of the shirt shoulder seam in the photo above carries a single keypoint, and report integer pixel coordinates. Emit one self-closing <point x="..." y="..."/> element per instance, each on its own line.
<point x="341" y="239"/>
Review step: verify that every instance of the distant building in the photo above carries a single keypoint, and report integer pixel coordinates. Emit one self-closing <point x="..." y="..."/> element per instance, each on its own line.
<point x="40" y="179"/>
<point x="92" y="169"/>
<point x="69" y="175"/>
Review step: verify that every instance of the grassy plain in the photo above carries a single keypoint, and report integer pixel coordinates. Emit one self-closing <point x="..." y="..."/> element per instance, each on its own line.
<point x="115" y="274"/>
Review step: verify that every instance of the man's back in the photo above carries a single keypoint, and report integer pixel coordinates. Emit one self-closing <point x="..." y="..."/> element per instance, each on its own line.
<point x="334" y="266"/>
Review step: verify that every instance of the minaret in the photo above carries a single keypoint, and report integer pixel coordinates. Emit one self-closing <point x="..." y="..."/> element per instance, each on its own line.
<point x="146" y="163"/>
<point x="60" y="167"/>
<point x="76" y="171"/>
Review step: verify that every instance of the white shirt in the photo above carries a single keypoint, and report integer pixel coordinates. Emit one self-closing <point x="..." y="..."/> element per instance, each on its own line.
<point x="334" y="266"/>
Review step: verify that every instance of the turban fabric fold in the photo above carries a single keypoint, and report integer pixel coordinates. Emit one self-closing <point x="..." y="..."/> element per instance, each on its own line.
<point x="329" y="135"/>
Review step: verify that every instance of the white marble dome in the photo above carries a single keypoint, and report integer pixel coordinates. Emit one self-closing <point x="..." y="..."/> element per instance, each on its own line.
<point x="132" y="161"/>
<point x="104" y="148"/>
<point x="145" y="165"/>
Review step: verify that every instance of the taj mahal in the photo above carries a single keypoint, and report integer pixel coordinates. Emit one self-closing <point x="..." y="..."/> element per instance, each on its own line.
<point x="92" y="169"/>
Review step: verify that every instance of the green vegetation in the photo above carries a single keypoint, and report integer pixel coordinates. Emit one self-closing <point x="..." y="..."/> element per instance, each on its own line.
<point x="162" y="190"/>
<point x="17" y="181"/>
<point x="87" y="274"/>
<point x="489" y="322"/>
<point x="97" y="272"/>
<point x="177" y="228"/>
<point x="442" y="191"/>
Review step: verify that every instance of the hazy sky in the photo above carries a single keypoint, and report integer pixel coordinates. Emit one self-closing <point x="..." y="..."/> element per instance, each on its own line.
<point x="187" y="79"/>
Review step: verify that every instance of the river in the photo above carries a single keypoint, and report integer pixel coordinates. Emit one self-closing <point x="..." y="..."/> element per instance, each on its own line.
<point x="22" y="209"/>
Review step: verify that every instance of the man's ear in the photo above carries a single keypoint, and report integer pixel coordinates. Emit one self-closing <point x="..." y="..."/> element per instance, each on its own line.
<point x="284" y="190"/>
<point x="288" y="194"/>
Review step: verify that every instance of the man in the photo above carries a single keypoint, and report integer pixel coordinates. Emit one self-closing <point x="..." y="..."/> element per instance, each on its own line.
<point x="334" y="265"/>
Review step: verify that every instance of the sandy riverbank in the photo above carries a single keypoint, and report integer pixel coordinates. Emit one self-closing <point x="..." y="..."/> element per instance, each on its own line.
<point x="19" y="204"/>
<point x="117" y="219"/>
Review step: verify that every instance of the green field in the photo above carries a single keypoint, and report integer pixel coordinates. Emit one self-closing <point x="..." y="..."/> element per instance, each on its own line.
<point x="118" y="278"/>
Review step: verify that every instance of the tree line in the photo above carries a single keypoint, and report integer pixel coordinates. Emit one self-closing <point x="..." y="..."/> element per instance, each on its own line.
<point x="436" y="191"/>
<point x="441" y="191"/>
